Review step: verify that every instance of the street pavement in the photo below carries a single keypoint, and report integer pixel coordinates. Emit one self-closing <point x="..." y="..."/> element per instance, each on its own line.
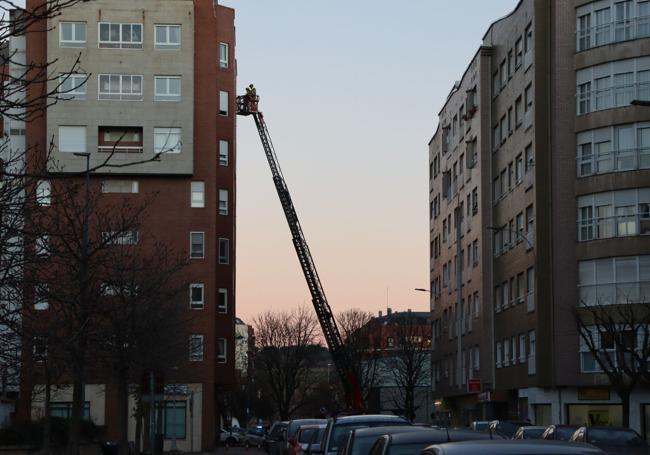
<point x="238" y="450"/>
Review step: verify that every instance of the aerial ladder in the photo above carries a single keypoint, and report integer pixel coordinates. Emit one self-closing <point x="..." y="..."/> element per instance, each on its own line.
<point x="248" y="105"/>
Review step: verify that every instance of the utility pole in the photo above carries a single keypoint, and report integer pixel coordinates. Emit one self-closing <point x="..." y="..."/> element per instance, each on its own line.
<point x="459" y="296"/>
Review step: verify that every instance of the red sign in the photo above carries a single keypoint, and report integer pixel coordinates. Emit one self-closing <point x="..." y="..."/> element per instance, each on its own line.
<point x="473" y="385"/>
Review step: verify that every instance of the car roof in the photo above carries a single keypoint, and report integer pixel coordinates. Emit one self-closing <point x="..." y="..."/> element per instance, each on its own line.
<point x="534" y="427"/>
<point x="312" y="425"/>
<point x="386" y="429"/>
<point x="517" y="447"/>
<point x="435" y="436"/>
<point x="369" y="418"/>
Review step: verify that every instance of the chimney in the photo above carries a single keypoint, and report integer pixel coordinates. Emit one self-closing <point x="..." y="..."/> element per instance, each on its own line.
<point x="380" y="313"/>
<point x="389" y="311"/>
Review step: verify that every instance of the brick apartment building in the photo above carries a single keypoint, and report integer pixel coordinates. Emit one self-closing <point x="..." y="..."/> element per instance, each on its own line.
<point x="543" y="163"/>
<point x="160" y="73"/>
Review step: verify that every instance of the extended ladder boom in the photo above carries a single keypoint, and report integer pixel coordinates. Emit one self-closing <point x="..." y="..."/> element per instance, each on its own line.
<point x="247" y="105"/>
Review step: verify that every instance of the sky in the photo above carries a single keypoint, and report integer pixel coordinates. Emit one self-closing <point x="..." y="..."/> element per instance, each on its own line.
<point x="350" y="90"/>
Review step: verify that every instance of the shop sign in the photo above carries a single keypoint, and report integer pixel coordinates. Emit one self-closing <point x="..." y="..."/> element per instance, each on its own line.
<point x="593" y="393"/>
<point x="473" y="385"/>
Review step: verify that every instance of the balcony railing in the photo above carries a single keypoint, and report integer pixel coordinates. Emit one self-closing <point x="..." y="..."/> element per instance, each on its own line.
<point x="610" y="97"/>
<point x="615" y="293"/>
<point x="119" y="149"/>
<point x="614" y="161"/>
<point x="614" y="226"/>
<point x="613" y="32"/>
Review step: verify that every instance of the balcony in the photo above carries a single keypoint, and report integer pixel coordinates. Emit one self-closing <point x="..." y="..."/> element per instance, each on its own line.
<point x="627" y="225"/>
<point x="620" y="293"/>
<point x="120" y="139"/>
<point x="613" y="32"/>
<point x="611" y="97"/>
<point x="613" y="161"/>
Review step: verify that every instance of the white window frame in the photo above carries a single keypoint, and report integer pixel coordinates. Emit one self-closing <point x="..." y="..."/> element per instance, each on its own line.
<point x="197" y="304"/>
<point x="167" y="95"/>
<point x="120" y="95"/>
<point x="202" y="256"/>
<point x="197" y="195"/>
<point x="222" y="345"/>
<point x="195" y="354"/>
<point x="73" y="43"/>
<point x="79" y="145"/>
<point x="224" y="103"/>
<point x="224" y="55"/>
<point x="128" y="187"/>
<point x="224" y="260"/>
<point x="44" y="193"/>
<point x="168" y="132"/>
<point x="222" y="309"/>
<point x="78" y="87"/>
<point x="223" y="202"/>
<point x="120" y="44"/>
<point x="223" y="152"/>
<point x="167" y="45"/>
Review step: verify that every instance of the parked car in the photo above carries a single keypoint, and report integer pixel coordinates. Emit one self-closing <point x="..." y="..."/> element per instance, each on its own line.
<point x="337" y="429"/>
<point x="512" y="447"/>
<point x="559" y="432"/>
<point x="255" y="437"/>
<point x="613" y="440"/>
<point x="413" y="442"/>
<point x="230" y="437"/>
<point x="479" y="425"/>
<point x="306" y="435"/>
<point x="293" y="427"/>
<point x="360" y="440"/>
<point x="507" y="428"/>
<point x="275" y="439"/>
<point x="530" y="432"/>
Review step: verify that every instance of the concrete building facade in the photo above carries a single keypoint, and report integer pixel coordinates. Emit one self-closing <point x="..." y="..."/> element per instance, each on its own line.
<point x="156" y="77"/>
<point x="563" y="200"/>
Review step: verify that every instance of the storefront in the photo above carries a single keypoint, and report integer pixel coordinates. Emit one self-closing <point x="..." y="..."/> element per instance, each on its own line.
<point x="595" y="414"/>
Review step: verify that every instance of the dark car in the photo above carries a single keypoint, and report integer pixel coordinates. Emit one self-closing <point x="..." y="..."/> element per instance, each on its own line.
<point x="530" y="432"/>
<point x="507" y="428"/>
<point x="613" y="440"/>
<point x="559" y="432"/>
<point x="512" y="447"/>
<point x="275" y="439"/>
<point x="360" y="440"/>
<point x="337" y="429"/>
<point x="413" y="442"/>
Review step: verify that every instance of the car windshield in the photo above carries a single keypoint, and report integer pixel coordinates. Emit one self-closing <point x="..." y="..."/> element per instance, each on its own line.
<point x="406" y="449"/>
<point x="612" y="437"/>
<point x="307" y="433"/>
<point x="361" y="446"/>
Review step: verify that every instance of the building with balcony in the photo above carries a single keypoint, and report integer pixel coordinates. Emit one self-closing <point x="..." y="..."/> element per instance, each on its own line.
<point x="155" y="78"/>
<point x="561" y="171"/>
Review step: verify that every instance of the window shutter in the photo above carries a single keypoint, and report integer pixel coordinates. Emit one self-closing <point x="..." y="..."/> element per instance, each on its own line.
<point x="72" y="139"/>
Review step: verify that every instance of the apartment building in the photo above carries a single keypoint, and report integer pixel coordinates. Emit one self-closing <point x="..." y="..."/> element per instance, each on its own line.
<point x="562" y="179"/>
<point x="156" y="76"/>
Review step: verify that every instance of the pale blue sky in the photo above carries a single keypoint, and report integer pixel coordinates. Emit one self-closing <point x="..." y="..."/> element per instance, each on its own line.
<point x="351" y="91"/>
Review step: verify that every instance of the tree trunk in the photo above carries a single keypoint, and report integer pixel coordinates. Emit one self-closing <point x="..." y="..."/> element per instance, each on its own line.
<point x="47" y="419"/>
<point x="122" y="412"/>
<point x="78" y="398"/>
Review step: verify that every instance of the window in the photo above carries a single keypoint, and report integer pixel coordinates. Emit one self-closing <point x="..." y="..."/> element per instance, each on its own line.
<point x="120" y="36"/>
<point x="72" y="139"/>
<point x="63" y="409"/>
<point x="496" y="84"/>
<point x="511" y="63"/>
<point x="504" y="74"/>
<point x="475" y="253"/>
<point x="198" y="195"/>
<point x="41" y="293"/>
<point x="120" y="186"/>
<point x="197" y="297"/>
<point x="223" y="55"/>
<point x="223" y="202"/>
<point x="43" y="193"/>
<point x="222" y="301"/>
<point x="120" y="238"/>
<point x="614" y="214"/>
<point x="168" y="36"/>
<point x="224" y="251"/>
<point x="124" y="87"/>
<point x="72" y="34"/>
<point x="119" y="139"/>
<point x="167" y="140"/>
<point x="519" y="112"/>
<point x="519" y="168"/>
<point x="72" y="86"/>
<point x="196" y="348"/>
<point x="522" y="348"/>
<point x="42" y="245"/>
<point x="499" y="354"/>
<point x="174" y="417"/>
<point x="223" y="103"/>
<point x="528" y="97"/>
<point x="519" y="53"/>
<point x="528" y="37"/>
<point x="223" y="153"/>
<point x="617" y="280"/>
<point x="222" y="353"/>
<point x="531" y="352"/>
<point x="168" y="88"/>
<point x="197" y="245"/>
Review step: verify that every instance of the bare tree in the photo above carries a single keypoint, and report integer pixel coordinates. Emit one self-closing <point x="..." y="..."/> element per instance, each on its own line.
<point x="406" y="365"/>
<point x="617" y="338"/>
<point x="285" y="342"/>
<point x="356" y="330"/>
